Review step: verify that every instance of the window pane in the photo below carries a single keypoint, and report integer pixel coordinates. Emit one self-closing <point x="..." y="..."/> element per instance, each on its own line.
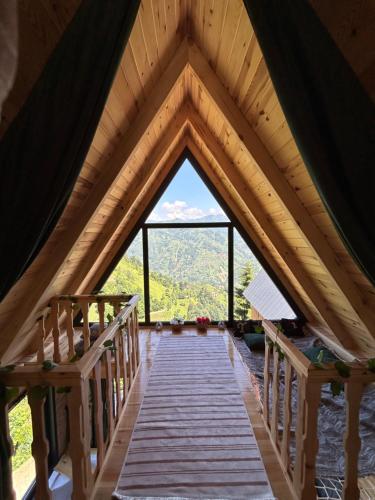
<point x="21" y="432"/>
<point x="188" y="273"/>
<point x="246" y="267"/>
<point x="127" y="277"/>
<point x="187" y="199"/>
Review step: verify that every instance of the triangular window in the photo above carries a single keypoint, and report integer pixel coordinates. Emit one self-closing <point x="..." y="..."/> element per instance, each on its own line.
<point x="188" y="259"/>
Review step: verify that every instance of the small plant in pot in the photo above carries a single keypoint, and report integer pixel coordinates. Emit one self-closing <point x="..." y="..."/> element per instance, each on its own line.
<point x="202" y="323"/>
<point x="177" y="324"/>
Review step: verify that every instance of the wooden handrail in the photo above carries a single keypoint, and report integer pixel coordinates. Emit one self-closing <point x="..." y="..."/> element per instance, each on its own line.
<point x="309" y="380"/>
<point x="106" y="370"/>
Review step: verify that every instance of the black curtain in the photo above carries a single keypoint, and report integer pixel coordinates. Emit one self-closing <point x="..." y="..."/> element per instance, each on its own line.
<point x="42" y="152"/>
<point x="330" y="115"/>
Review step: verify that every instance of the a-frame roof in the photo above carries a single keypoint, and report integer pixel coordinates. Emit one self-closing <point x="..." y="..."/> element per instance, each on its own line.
<point x="193" y="76"/>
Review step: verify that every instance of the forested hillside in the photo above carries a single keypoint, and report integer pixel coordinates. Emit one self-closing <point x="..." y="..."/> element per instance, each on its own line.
<point x="188" y="272"/>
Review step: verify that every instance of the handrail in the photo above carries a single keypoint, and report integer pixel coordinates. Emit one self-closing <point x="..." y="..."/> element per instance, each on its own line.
<point x="104" y="374"/>
<point x="310" y="377"/>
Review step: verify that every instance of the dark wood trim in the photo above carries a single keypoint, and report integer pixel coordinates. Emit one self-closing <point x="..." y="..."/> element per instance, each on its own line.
<point x="230" y="275"/>
<point x="146" y="274"/>
<point x="186" y="225"/>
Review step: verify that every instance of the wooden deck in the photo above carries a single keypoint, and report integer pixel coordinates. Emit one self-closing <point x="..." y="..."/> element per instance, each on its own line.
<point x="149" y="340"/>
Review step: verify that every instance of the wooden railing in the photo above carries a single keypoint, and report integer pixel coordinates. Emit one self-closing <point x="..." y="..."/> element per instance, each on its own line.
<point x="96" y="383"/>
<point x="299" y="468"/>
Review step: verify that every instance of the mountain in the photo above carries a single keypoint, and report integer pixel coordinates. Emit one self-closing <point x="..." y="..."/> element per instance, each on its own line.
<point x="188" y="270"/>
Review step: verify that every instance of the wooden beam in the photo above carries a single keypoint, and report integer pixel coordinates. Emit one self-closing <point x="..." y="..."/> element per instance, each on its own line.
<point x="40" y="289"/>
<point x="241" y="186"/>
<point x="245" y="223"/>
<point x="154" y="185"/>
<point x="283" y="190"/>
<point x="130" y="196"/>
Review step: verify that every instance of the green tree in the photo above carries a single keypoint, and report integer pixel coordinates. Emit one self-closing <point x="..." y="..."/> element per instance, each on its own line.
<point x="242" y="307"/>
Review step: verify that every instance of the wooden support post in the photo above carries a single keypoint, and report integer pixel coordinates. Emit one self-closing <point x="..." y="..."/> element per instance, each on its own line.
<point x="41" y="336"/>
<point x="6" y="482"/>
<point x="117" y="374"/>
<point x="134" y="342"/>
<point x="266" y="382"/>
<point x="123" y="365"/>
<point x="307" y="443"/>
<point x="109" y="392"/>
<point x="40" y="448"/>
<point x="137" y="335"/>
<point x="69" y="328"/>
<point x="352" y="441"/>
<point x="285" y="456"/>
<point x="275" y="398"/>
<point x="130" y="362"/>
<point x="101" y="311"/>
<point x="98" y="402"/>
<point x="79" y="446"/>
<point x="55" y="331"/>
<point x="86" y="327"/>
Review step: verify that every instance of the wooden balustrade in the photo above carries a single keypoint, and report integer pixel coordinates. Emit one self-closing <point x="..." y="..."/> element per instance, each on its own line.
<point x="300" y="469"/>
<point x="103" y="375"/>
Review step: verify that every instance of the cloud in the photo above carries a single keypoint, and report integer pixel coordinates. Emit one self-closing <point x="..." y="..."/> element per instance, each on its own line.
<point x="181" y="210"/>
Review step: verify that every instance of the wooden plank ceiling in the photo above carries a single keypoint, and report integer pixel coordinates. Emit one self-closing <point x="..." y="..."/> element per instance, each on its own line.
<point x="192" y="75"/>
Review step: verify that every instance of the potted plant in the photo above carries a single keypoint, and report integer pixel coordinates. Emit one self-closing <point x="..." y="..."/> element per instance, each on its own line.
<point x="202" y="323"/>
<point x="177" y="324"/>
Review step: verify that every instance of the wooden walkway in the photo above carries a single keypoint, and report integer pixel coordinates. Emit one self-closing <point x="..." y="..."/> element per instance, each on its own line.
<point x="149" y="342"/>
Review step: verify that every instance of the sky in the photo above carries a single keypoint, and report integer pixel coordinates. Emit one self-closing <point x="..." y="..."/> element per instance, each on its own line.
<point x="185" y="198"/>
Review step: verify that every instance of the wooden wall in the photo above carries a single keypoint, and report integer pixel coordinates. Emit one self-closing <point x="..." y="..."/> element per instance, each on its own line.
<point x="193" y="73"/>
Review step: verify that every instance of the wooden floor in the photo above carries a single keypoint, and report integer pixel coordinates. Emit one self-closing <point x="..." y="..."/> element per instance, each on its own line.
<point x="149" y="340"/>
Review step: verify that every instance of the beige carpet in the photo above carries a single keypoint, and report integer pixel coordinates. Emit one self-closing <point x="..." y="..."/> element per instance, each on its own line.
<point x="193" y="437"/>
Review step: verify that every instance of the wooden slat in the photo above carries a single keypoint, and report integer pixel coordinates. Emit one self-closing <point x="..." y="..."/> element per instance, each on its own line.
<point x="283" y="190"/>
<point x="266" y="383"/>
<point x="275" y="397"/>
<point x="352" y="441"/>
<point x="55" y="332"/>
<point x="69" y="328"/>
<point x="285" y="450"/>
<point x="98" y="403"/>
<point x="40" y="448"/>
<point x="86" y="327"/>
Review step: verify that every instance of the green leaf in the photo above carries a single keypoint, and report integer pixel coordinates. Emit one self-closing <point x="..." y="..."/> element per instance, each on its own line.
<point x="7" y="368"/>
<point x="336" y="387"/>
<point x="371" y="365"/>
<point x="109" y="318"/>
<point x="280" y="352"/>
<point x="75" y="358"/>
<point x="37" y="392"/>
<point x="319" y="358"/>
<point x="343" y="369"/>
<point x="63" y="390"/>
<point x="48" y="365"/>
<point x="258" y="329"/>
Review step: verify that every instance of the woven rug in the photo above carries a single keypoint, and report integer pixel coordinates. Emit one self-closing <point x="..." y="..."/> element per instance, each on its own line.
<point x="193" y="437"/>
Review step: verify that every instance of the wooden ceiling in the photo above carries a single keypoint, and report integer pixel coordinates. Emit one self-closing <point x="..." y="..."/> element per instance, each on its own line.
<point x="192" y="75"/>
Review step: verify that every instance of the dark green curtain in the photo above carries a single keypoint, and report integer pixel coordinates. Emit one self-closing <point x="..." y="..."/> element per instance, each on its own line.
<point x="43" y="150"/>
<point x="330" y="115"/>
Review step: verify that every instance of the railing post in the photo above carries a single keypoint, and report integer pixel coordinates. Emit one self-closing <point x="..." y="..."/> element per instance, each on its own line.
<point x="41" y="337"/>
<point x="275" y="398"/>
<point x="307" y="443"/>
<point x="55" y="331"/>
<point x="86" y="328"/>
<point x="79" y="446"/>
<point x="101" y="311"/>
<point x="266" y="382"/>
<point x="6" y="452"/>
<point x="98" y="403"/>
<point x="352" y="441"/>
<point x="69" y="328"/>
<point x="39" y="447"/>
<point x="285" y="456"/>
<point x="129" y="347"/>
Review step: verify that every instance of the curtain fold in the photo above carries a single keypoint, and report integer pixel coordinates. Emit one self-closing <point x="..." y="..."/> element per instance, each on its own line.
<point x="43" y="150"/>
<point x="330" y="115"/>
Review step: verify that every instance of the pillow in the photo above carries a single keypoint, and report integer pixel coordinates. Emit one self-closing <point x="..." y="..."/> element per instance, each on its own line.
<point x="292" y="327"/>
<point x="250" y="326"/>
<point x="254" y="341"/>
<point x="313" y="352"/>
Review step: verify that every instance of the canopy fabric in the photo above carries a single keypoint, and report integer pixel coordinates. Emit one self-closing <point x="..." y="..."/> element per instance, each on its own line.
<point x="330" y="115"/>
<point x="42" y="152"/>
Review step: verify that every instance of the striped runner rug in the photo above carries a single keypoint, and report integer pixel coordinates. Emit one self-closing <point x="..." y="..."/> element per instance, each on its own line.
<point x="193" y="437"/>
